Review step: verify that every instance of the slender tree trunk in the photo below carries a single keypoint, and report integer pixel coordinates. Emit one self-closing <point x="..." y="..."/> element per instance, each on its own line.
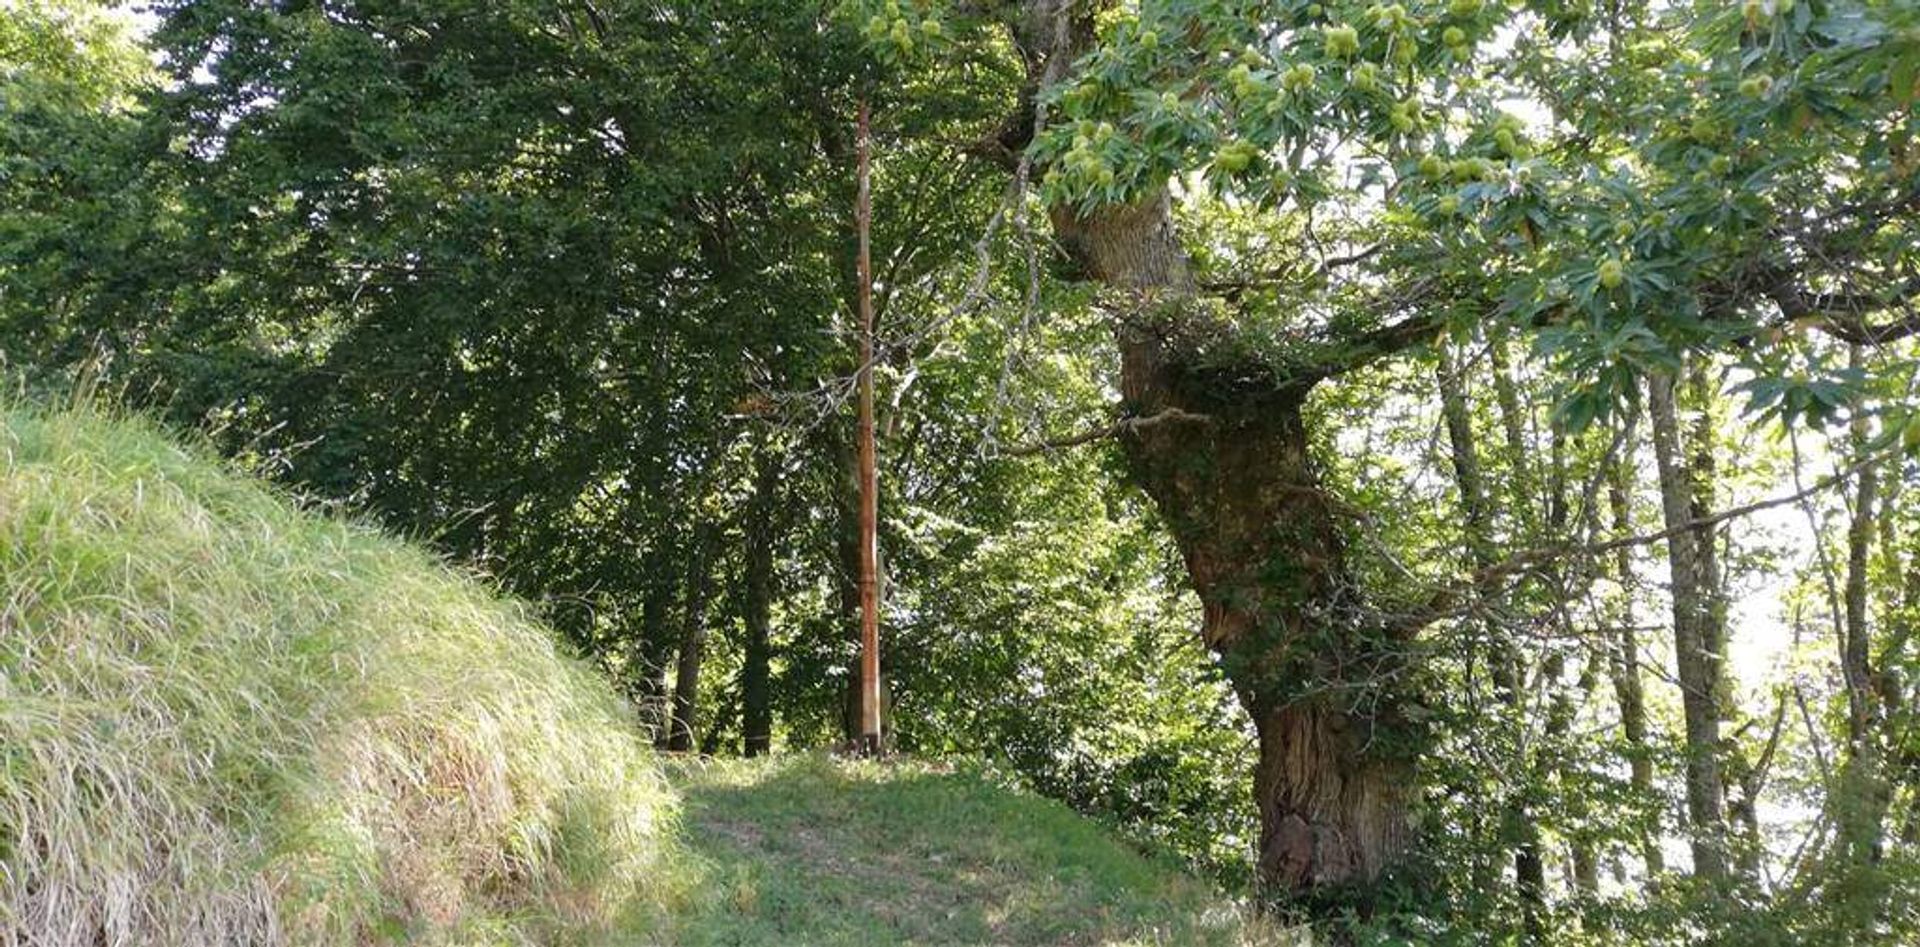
<point x="1694" y="577"/>
<point x="846" y="585"/>
<point x="1517" y="825"/>
<point x="1586" y="861"/>
<point x="651" y="652"/>
<point x="693" y="645"/>
<point x="1553" y="760"/>
<point x="1899" y="712"/>
<point x="1628" y="688"/>
<point x="1529" y="862"/>
<point x="869" y="548"/>
<point x="756" y="692"/>
<point x="1743" y="810"/>
<point x="1896" y="695"/>
<point x="1864" y="797"/>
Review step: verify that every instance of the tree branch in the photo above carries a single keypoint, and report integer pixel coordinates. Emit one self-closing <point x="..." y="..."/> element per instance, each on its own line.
<point x="1231" y="289"/>
<point x="1453" y="598"/>
<point x="1841" y="314"/>
<point x="1122" y="426"/>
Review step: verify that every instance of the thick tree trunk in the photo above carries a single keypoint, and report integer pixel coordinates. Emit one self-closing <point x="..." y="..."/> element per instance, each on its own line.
<point x="756" y="691"/>
<point x="1697" y="632"/>
<point x="693" y="645"/>
<point x="1238" y="489"/>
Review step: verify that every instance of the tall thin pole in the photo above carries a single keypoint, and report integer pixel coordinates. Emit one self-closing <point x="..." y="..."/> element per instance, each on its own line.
<point x="869" y="476"/>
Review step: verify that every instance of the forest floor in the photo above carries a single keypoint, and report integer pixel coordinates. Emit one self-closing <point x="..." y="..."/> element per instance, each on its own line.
<point x="806" y="849"/>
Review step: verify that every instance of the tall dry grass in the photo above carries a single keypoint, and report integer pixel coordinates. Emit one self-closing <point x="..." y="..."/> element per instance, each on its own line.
<point x="227" y="721"/>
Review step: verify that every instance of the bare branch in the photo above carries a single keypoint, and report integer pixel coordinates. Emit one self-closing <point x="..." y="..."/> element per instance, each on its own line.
<point x="1455" y="597"/>
<point x="1122" y="426"/>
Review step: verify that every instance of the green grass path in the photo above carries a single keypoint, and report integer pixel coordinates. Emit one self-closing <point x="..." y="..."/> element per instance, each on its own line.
<point x="806" y="850"/>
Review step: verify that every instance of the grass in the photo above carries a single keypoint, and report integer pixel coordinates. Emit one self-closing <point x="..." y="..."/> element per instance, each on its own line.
<point x="803" y="849"/>
<point x="226" y="721"/>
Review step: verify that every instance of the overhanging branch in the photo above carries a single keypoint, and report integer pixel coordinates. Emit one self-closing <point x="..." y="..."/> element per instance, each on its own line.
<point x="1843" y="314"/>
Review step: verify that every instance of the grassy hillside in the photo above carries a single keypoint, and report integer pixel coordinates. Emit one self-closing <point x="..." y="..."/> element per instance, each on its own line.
<point x="805" y="850"/>
<point x="226" y="721"/>
<point x="223" y="721"/>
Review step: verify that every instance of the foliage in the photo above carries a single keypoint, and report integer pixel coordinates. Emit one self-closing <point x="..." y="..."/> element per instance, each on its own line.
<point x="551" y="284"/>
<point x="1650" y="194"/>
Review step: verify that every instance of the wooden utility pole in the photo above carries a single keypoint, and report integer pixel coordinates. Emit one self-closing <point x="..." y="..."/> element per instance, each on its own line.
<point x="869" y="476"/>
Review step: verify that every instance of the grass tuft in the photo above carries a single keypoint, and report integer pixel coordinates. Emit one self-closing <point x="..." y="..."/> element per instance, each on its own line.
<point x="226" y="721"/>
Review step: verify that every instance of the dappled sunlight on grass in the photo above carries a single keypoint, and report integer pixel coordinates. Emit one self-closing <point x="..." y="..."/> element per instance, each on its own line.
<point x="843" y="852"/>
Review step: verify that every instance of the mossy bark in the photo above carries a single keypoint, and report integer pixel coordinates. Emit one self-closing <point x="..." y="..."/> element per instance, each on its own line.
<point x="1263" y="549"/>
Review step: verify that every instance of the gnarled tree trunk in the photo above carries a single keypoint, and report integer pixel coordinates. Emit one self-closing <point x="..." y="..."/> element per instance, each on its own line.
<point x="1229" y="468"/>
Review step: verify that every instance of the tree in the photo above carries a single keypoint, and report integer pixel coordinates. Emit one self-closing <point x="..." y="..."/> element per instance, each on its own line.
<point x="1624" y="648"/>
<point x="569" y="289"/>
<point x="1699" y="612"/>
<point x="1219" y="437"/>
<point x="763" y="534"/>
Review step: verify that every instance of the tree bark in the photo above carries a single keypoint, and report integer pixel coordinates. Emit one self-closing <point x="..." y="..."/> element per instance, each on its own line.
<point x="756" y="673"/>
<point x="1241" y="496"/>
<point x="1628" y="689"/>
<point x="1694" y="576"/>
<point x="693" y="644"/>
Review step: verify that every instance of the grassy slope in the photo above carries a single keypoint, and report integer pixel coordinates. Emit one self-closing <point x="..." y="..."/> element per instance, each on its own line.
<point x="804" y="850"/>
<point x="225" y="721"/>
